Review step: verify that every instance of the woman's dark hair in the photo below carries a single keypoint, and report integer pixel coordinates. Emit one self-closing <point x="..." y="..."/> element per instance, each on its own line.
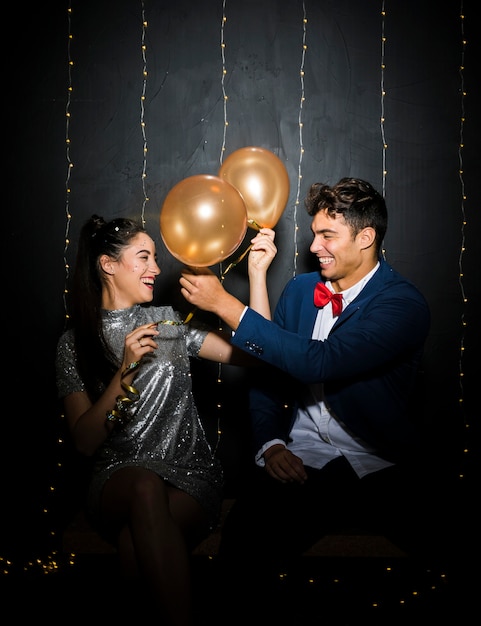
<point x="95" y="361"/>
<point x="356" y="200"/>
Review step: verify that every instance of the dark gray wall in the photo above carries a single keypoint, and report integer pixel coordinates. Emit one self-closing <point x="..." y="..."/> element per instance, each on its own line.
<point x="185" y="118"/>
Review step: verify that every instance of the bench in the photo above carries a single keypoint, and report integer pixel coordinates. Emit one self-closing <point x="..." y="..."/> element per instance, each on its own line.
<point x="80" y="538"/>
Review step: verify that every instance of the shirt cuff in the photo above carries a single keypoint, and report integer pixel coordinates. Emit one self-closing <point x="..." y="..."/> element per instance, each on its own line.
<point x="240" y="318"/>
<point x="259" y="459"/>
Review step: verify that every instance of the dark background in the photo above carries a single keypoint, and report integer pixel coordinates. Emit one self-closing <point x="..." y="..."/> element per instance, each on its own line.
<point x="428" y="173"/>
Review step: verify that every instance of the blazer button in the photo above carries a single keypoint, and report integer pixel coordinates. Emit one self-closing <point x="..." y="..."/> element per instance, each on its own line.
<point x="252" y="347"/>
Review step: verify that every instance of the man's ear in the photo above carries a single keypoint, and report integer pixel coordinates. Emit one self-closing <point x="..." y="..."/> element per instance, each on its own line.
<point x="367" y="237"/>
<point x="107" y="265"/>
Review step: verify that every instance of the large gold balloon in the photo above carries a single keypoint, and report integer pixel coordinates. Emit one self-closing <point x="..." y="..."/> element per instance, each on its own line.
<point x="203" y="220"/>
<point x="262" y="180"/>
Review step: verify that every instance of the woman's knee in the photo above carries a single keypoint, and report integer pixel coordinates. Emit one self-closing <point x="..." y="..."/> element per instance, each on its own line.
<point x="134" y="489"/>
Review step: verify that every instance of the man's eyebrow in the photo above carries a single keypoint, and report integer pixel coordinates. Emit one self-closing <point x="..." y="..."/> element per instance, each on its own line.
<point x="324" y="230"/>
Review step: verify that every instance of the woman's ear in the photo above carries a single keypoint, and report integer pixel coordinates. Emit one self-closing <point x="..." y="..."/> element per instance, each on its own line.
<point x="107" y="265"/>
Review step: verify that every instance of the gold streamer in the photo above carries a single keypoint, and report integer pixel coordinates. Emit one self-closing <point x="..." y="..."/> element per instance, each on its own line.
<point x="119" y="416"/>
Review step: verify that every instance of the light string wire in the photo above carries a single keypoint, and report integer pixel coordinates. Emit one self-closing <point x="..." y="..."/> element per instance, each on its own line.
<point x="383" y="95"/>
<point x="68" y="216"/>
<point x="222" y="82"/>
<point x="301" y="139"/>
<point x="225" y="98"/>
<point x="462" y="120"/>
<point x="383" y="116"/>
<point x="52" y="563"/>
<point x="224" y="106"/>
<point x="142" y="113"/>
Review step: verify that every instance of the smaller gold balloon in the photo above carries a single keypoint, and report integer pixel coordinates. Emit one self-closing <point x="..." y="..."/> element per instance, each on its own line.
<point x="203" y="220"/>
<point x="262" y="180"/>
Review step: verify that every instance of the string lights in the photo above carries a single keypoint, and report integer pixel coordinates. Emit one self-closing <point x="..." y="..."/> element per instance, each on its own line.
<point x="219" y="379"/>
<point x="301" y="141"/>
<point x="462" y="250"/>
<point x="68" y="216"/>
<point x="383" y="96"/>
<point x="142" y="113"/>
<point x="222" y="82"/>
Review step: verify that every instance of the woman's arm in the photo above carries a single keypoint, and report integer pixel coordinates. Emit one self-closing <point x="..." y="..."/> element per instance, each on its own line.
<point x="88" y="421"/>
<point x="261" y="255"/>
<point x="217" y="347"/>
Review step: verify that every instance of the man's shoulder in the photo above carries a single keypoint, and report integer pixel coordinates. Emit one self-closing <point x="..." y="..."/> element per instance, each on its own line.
<point x="389" y="287"/>
<point x="391" y="277"/>
<point x="308" y="279"/>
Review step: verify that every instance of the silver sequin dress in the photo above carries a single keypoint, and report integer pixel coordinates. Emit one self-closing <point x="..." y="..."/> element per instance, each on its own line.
<point x="165" y="433"/>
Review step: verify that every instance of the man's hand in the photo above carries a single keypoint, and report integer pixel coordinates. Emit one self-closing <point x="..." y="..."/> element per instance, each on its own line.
<point x="202" y="288"/>
<point x="283" y="465"/>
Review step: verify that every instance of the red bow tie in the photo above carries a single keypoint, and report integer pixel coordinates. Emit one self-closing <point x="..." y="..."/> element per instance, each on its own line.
<point x="323" y="295"/>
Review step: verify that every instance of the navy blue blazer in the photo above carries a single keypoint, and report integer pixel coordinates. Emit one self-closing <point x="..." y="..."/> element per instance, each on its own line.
<point x="369" y="362"/>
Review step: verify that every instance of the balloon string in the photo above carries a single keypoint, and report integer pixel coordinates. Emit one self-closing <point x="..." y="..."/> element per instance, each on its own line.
<point x="234" y="263"/>
<point x="253" y="224"/>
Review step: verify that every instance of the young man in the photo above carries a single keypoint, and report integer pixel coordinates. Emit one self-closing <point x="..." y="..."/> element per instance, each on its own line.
<point x="333" y="411"/>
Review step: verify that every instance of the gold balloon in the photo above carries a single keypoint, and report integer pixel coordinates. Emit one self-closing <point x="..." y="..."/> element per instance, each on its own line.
<point x="262" y="180"/>
<point x="203" y="220"/>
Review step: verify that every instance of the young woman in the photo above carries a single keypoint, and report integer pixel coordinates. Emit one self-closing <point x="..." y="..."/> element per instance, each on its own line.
<point x="123" y="374"/>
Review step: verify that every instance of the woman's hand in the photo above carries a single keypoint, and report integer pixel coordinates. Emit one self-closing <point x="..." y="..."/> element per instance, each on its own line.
<point x="138" y="343"/>
<point x="262" y="252"/>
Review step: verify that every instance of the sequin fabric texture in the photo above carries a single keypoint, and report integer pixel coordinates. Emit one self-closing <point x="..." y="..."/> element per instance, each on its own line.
<point x="165" y="433"/>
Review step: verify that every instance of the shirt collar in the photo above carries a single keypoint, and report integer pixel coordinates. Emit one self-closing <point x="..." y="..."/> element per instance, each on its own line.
<point x="350" y="294"/>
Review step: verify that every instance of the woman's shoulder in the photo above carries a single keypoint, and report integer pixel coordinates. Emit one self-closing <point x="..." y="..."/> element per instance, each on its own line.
<point x="66" y="339"/>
